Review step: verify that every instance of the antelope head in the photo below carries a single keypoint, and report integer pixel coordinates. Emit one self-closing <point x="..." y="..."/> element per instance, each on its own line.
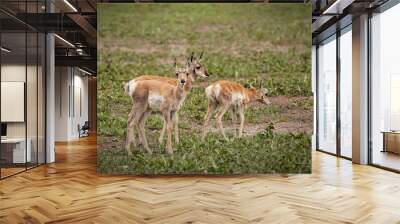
<point x="182" y="75"/>
<point x="198" y="69"/>
<point x="260" y="95"/>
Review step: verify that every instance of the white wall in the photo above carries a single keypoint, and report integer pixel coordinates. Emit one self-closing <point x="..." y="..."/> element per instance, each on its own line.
<point x="70" y="83"/>
<point x="33" y="126"/>
<point x="79" y="117"/>
<point x="62" y="82"/>
<point x="12" y="73"/>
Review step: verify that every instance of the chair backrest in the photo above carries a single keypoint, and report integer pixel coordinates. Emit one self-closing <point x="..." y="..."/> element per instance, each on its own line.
<point x="86" y="125"/>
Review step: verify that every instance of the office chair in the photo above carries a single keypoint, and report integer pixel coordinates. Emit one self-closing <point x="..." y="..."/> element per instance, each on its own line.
<point x="84" y="130"/>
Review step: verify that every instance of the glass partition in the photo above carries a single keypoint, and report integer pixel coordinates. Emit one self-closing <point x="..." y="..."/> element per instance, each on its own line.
<point x="32" y="95"/>
<point x="346" y="92"/>
<point x="14" y="153"/>
<point x="385" y="89"/>
<point x="327" y="95"/>
<point x="22" y="77"/>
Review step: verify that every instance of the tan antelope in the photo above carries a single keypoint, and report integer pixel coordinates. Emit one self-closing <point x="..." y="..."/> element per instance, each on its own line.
<point x="195" y="64"/>
<point x="225" y="95"/>
<point x="158" y="96"/>
<point x="197" y="70"/>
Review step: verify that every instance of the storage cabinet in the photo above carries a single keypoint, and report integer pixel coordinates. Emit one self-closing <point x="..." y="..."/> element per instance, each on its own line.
<point x="391" y="142"/>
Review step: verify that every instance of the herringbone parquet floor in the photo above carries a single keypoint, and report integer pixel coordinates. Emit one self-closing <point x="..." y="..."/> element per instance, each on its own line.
<point x="70" y="191"/>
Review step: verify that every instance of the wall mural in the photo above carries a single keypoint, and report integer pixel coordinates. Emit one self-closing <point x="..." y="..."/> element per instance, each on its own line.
<point x="204" y="88"/>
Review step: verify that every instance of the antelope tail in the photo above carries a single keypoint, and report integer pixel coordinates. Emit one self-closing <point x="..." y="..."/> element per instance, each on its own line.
<point x="126" y="87"/>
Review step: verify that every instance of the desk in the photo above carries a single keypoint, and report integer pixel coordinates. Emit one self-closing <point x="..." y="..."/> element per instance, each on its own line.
<point x="15" y="148"/>
<point x="391" y="141"/>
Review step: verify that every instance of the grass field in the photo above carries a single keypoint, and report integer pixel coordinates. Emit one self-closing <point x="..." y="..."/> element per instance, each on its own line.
<point x="247" y="43"/>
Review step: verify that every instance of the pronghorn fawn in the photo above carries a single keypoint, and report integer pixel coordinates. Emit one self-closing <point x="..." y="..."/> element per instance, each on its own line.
<point x="225" y="95"/>
<point x="197" y="70"/>
<point x="157" y="96"/>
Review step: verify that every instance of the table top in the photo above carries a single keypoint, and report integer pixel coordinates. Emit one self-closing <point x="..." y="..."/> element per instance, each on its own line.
<point x="13" y="140"/>
<point x="391" y="132"/>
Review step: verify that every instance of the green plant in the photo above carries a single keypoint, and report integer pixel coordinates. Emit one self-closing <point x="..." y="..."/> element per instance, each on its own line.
<point x="265" y="152"/>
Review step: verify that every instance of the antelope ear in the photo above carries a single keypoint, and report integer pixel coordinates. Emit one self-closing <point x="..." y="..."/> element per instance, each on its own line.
<point x="250" y="86"/>
<point x="201" y="55"/>
<point x="192" y="57"/>
<point x="175" y="65"/>
<point x="264" y="91"/>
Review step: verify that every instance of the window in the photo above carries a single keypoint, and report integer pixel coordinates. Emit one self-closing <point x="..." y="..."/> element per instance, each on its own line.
<point x="327" y="95"/>
<point x="385" y="89"/>
<point x="346" y="92"/>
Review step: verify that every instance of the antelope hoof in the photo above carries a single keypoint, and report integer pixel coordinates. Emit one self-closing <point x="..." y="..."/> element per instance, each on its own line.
<point x="128" y="150"/>
<point x="170" y="151"/>
<point x="136" y="148"/>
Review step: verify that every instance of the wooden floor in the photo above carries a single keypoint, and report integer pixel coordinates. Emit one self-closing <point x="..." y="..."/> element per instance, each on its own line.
<point x="387" y="159"/>
<point x="70" y="191"/>
<point x="10" y="171"/>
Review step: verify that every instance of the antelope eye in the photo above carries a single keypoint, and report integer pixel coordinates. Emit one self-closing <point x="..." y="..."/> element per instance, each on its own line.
<point x="198" y="66"/>
<point x="177" y="74"/>
<point x="266" y="94"/>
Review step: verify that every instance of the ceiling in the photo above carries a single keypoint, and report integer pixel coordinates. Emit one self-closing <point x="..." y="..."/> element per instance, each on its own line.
<point x="74" y="22"/>
<point x="330" y="15"/>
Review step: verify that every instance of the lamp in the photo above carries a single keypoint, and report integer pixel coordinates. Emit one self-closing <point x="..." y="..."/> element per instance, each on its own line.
<point x="5" y="50"/>
<point x="70" y="5"/>
<point x="84" y="71"/>
<point x="64" y="40"/>
<point x="337" y="7"/>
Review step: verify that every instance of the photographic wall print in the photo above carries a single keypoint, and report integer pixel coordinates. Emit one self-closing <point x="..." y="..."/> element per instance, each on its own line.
<point x="204" y="89"/>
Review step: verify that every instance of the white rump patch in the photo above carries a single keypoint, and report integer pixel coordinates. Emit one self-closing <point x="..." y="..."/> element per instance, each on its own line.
<point x="209" y="92"/>
<point x="130" y="87"/>
<point x="217" y="90"/>
<point x="237" y="97"/>
<point x="155" y="100"/>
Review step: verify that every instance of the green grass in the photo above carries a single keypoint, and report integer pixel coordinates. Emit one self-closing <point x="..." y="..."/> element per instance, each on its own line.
<point x="265" y="152"/>
<point x="267" y="44"/>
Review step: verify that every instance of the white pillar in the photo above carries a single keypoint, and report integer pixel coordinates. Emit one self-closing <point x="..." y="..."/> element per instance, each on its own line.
<point x="50" y="92"/>
<point x="360" y="90"/>
<point x="50" y="110"/>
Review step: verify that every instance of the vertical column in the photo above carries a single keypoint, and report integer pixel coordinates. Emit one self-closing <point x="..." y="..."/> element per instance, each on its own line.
<point x="338" y="76"/>
<point x="50" y="92"/>
<point x="92" y="101"/>
<point x="314" y="88"/>
<point x="360" y="90"/>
